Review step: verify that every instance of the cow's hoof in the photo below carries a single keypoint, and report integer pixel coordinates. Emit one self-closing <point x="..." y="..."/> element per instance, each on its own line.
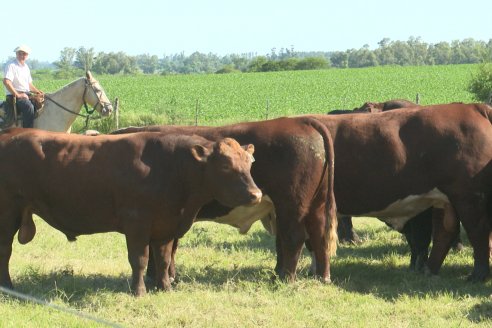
<point x="421" y="265"/>
<point x="139" y="292"/>
<point x="480" y="273"/>
<point x="477" y="277"/>
<point x="458" y="247"/>
<point x="428" y="273"/>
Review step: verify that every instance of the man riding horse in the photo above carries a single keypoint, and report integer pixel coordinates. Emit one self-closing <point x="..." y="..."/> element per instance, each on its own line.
<point x="18" y="87"/>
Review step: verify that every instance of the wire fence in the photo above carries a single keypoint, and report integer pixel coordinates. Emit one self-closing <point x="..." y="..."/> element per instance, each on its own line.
<point x="44" y="303"/>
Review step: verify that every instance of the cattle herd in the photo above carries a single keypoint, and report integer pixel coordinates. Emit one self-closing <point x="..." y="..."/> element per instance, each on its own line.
<point x="420" y="169"/>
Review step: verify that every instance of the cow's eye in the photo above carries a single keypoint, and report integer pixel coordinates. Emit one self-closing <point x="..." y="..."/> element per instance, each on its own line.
<point x="226" y="168"/>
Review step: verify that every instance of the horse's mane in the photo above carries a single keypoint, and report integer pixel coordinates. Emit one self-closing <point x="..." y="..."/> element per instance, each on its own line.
<point x="66" y="86"/>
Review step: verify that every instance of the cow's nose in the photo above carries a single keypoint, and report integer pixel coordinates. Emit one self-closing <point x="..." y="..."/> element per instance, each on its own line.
<point x="256" y="196"/>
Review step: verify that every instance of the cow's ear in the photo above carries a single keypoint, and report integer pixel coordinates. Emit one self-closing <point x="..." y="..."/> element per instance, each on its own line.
<point x="200" y="153"/>
<point x="249" y="148"/>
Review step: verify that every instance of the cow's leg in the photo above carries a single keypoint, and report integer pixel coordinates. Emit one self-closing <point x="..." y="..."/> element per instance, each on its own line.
<point x="442" y="235"/>
<point x="150" y="272"/>
<point x="473" y="215"/>
<point x="346" y="232"/>
<point x="280" y="263"/>
<point x="162" y="252"/>
<point x="291" y="235"/>
<point x="138" y="256"/>
<point x="172" y="266"/>
<point x="457" y="243"/>
<point x="418" y="232"/>
<point x="315" y="223"/>
<point x="9" y="226"/>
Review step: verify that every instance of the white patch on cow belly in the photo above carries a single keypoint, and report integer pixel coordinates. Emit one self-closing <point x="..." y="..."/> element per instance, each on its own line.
<point x="243" y="217"/>
<point x="399" y="212"/>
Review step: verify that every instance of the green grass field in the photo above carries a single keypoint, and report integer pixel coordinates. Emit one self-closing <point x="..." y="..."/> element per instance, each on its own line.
<point x="225" y="277"/>
<point x="225" y="281"/>
<point x="228" y="98"/>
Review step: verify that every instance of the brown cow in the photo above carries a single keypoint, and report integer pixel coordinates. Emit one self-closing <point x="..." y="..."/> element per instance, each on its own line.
<point x="418" y="230"/>
<point x="393" y="165"/>
<point x="346" y="232"/>
<point x="294" y="169"/>
<point x="147" y="186"/>
<point x="376" y="107"/>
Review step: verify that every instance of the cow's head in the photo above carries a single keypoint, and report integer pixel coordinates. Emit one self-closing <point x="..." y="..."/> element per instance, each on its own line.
<point x="227" y="172"/>
<point x="370" y="107"/>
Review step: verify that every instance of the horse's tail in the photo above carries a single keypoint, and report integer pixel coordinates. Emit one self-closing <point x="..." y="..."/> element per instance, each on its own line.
<point x="331" y="225"/>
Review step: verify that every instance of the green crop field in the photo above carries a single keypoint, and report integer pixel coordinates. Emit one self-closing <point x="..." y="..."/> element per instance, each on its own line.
<point x="225" y="279"/>
<point x="228" y="98"/>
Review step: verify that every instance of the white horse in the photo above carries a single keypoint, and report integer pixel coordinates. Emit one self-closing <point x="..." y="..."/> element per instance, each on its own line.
<point x="62" y="107"/>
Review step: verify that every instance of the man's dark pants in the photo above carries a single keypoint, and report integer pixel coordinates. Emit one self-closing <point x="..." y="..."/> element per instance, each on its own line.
<point x="26" y="107"/>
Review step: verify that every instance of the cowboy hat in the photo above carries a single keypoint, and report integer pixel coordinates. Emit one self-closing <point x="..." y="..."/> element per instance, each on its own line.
<point x="23" y="48"/>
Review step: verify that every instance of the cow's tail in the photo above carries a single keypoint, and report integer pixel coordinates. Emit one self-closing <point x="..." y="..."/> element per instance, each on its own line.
<point x="331" y="224"/>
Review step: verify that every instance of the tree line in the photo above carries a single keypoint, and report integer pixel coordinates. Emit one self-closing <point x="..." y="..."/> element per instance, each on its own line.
<point x="413" y="52"/>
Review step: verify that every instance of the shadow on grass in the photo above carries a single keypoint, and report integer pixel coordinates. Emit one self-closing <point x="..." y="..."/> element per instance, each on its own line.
<point x="481" y="312"/>
<point x="255" y="240"/>
<point x="68" y="286"/>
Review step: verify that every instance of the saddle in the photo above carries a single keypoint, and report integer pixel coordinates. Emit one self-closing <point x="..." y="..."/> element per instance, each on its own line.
<point x="7" y="116"/>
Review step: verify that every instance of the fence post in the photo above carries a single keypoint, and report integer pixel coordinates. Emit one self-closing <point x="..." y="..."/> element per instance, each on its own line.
<point x="417" y="99"/>
<point x="117" y="112"/>
<point x="196" y="113"/>
<point x="267" y="108"/>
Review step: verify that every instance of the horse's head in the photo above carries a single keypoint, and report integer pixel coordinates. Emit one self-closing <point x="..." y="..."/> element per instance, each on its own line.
<point x="94" y="95"/>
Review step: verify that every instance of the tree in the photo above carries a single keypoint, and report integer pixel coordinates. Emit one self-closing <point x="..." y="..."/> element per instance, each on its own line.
<point x="147" y="63"/>
<point x="418" y="51"/>
<point x="481" y="83"/>
<point x="67" y="56"/>
<point x="257" y="63"/>
<point x="402" y="52"/>
<point x="115" y="63"/>
<point x="362" y="57"/>
<point x="474" y="51"/>
<point x="65" y="66"/>
<point x="312" y="63"/>
<point x="84" y="58"/>
<point x="339" y="59"/>
<point x="385" y="53"/>
<point x="440" y="53"/>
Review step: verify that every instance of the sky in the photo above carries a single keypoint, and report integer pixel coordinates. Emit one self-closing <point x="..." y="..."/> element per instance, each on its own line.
<point x="162" y="27"/>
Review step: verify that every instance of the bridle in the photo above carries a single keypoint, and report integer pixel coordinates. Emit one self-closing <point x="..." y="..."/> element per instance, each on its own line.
<point x="97" y="93"/>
